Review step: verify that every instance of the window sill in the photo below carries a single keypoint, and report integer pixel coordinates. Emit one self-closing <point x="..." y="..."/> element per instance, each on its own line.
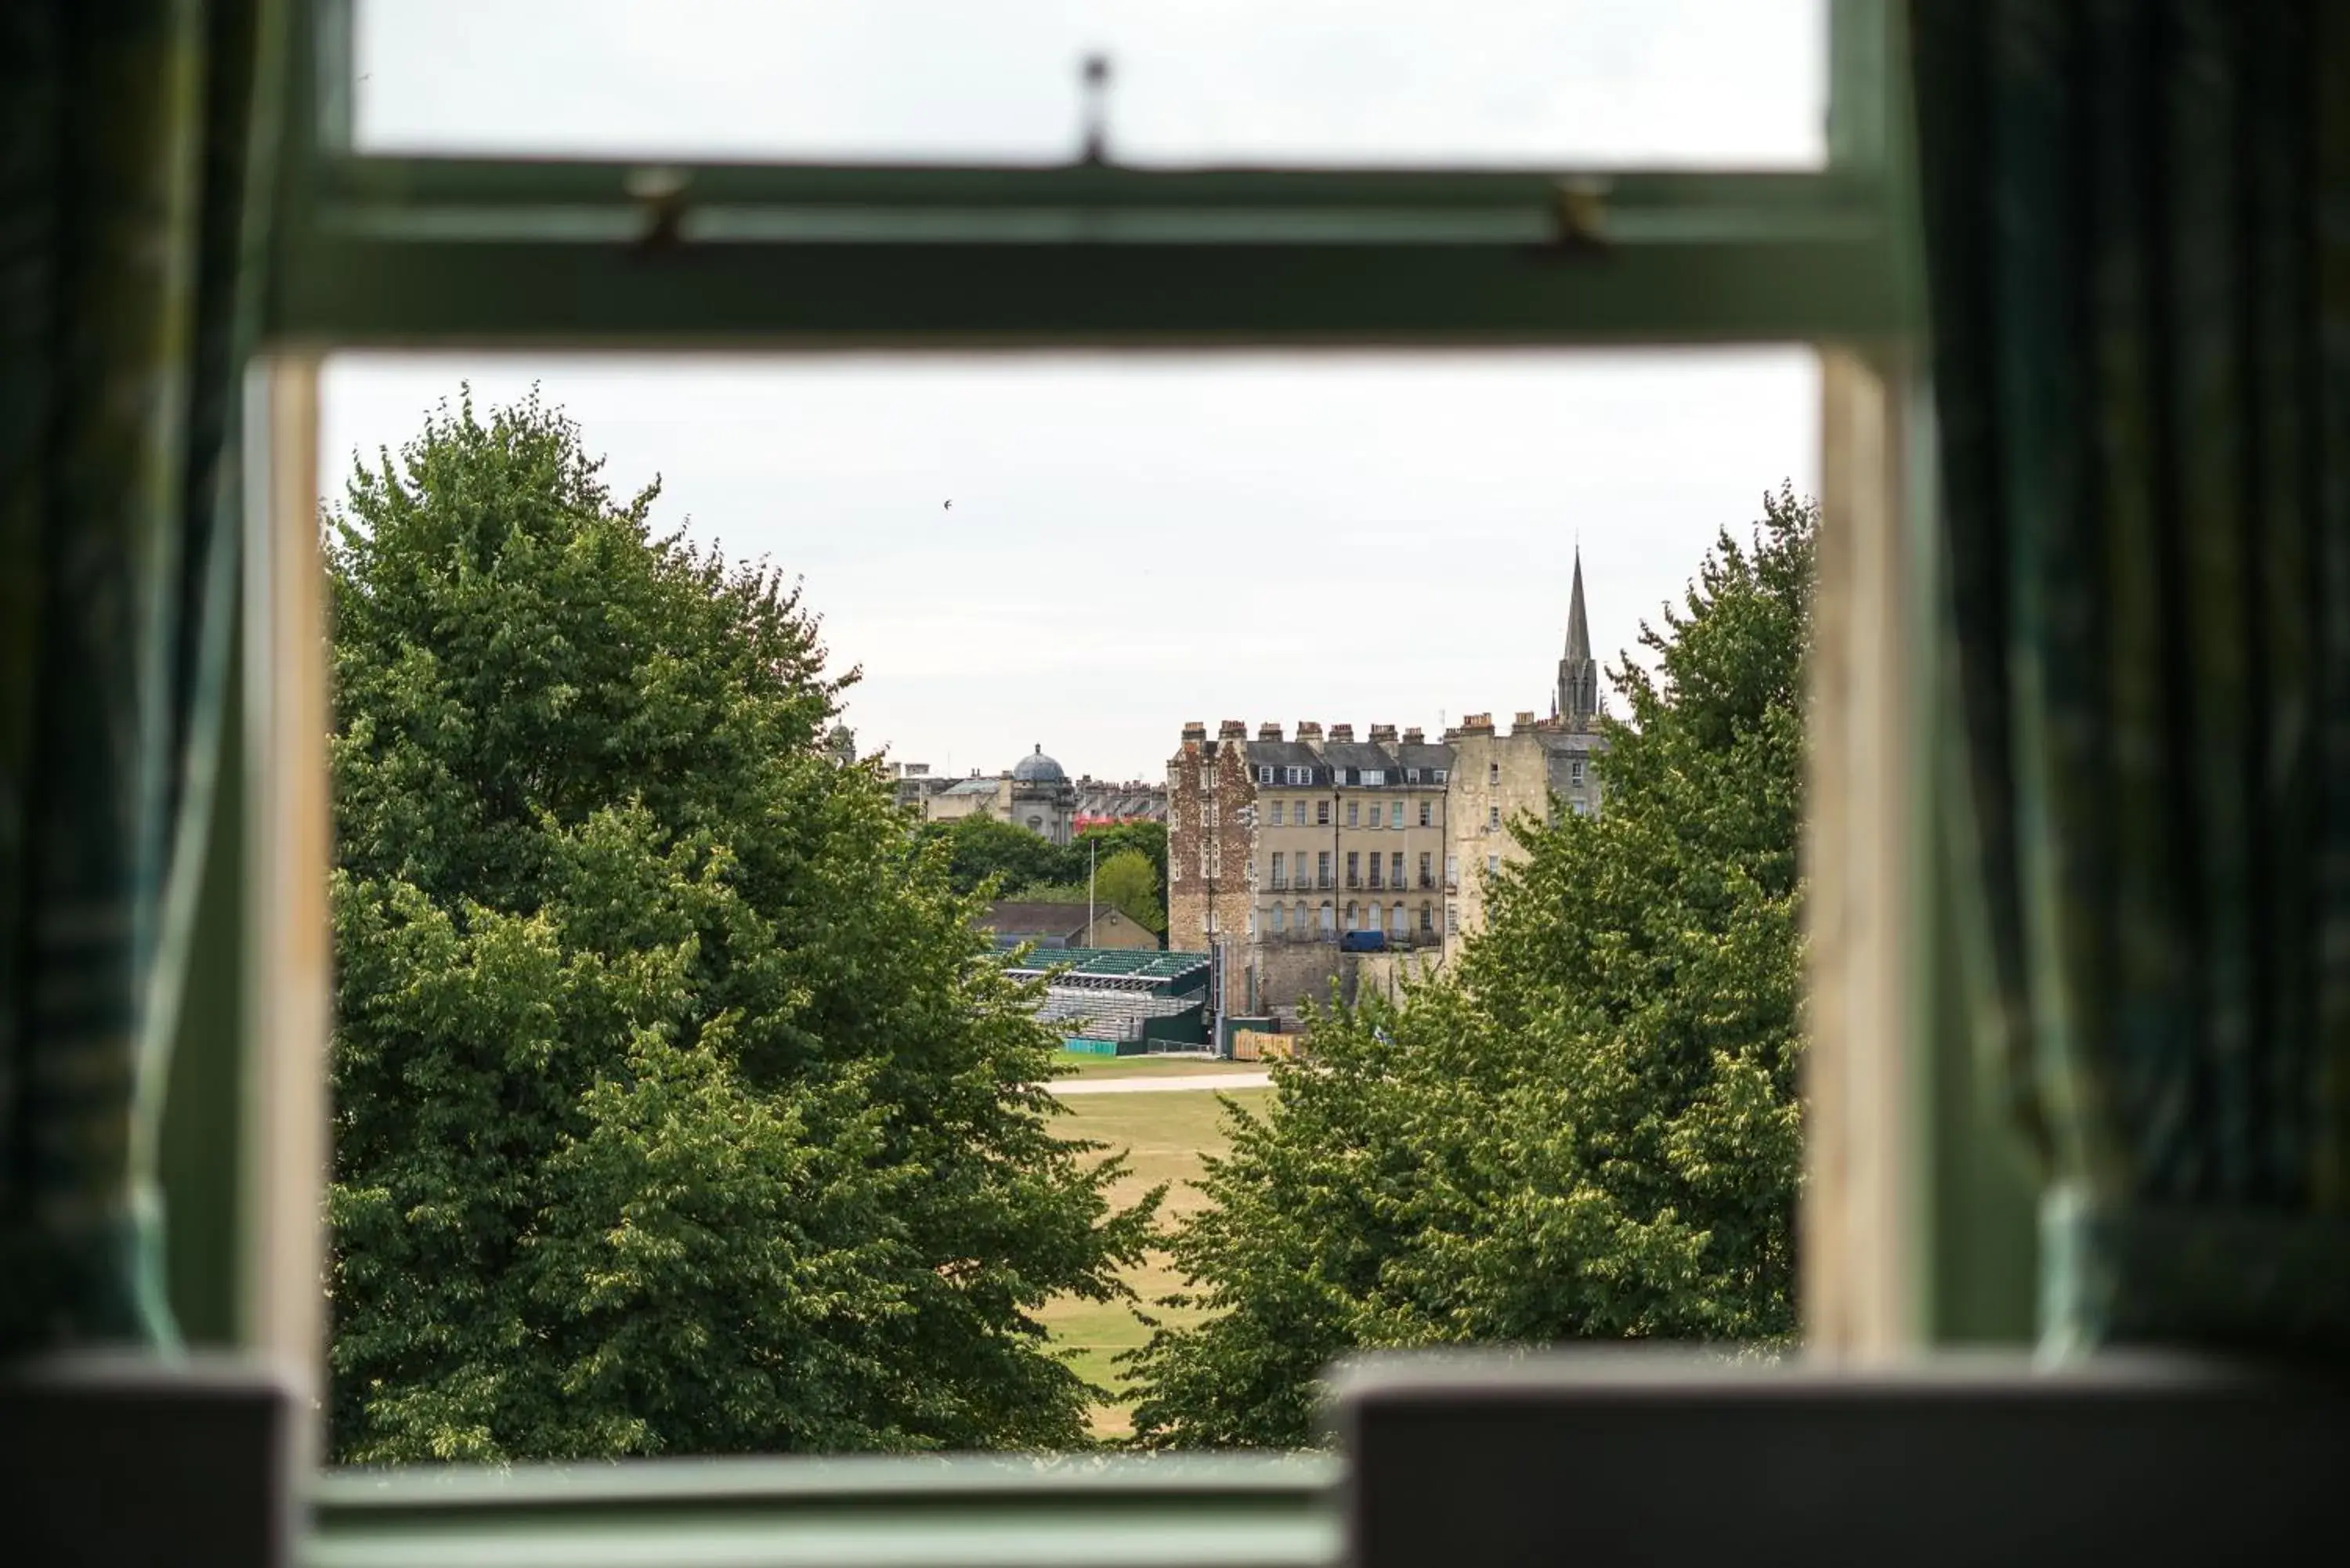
<point x="1075" y="1513"/>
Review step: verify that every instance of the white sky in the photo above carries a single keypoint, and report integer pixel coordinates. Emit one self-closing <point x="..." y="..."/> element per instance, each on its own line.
<point x="1136" y="541"/>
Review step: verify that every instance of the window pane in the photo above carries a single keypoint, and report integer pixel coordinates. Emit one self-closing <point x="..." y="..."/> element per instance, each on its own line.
<point x="604" y="1022"/>
<point x="1394" y="82"/>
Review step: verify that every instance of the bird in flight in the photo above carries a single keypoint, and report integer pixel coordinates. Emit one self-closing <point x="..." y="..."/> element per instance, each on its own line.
<point x="950" y="506"/>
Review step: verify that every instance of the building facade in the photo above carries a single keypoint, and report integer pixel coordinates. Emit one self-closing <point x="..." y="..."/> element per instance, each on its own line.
<point x="1034" y="794"/>
<point x="1285" y="851"/>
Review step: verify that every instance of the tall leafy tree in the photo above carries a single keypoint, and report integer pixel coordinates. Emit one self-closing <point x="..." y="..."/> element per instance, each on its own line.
<point x="678" y="1107"/>
<point x="984" y="853"/>
<point x="1589" y="1130"/>
<point x="1127" y="882"/>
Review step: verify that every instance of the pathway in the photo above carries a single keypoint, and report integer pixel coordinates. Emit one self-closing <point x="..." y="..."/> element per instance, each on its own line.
<point x="1155" y="1086"/>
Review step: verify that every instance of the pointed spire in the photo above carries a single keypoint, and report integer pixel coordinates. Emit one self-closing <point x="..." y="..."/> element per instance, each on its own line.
<point x="1576" y="698"/>
<point x="1578" y="626"/>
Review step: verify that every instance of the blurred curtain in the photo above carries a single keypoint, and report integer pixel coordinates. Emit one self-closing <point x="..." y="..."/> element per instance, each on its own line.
<point x="2137" y="228"/>
<point x="134" y="160"/>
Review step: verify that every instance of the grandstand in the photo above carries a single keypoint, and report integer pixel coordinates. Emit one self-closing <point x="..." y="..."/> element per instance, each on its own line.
<point x="1139" y="1000"/>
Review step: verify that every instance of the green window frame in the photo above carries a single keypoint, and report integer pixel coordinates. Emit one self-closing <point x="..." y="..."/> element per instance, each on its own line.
<point x="382" y="252"/>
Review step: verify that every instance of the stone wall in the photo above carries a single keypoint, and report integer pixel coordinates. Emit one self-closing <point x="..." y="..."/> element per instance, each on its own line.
<point x="1211" y="818"/>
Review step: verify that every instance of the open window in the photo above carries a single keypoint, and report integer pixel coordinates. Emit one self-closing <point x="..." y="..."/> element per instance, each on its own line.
<point x="831" y="239"/>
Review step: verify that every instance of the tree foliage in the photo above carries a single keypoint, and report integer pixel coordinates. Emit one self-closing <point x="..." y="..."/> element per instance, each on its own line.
<point x="678" y="1107"/>
<point x="1589" y="1130"/>
<point x="1002" y="859"/>
<point x="1127" y="882"/>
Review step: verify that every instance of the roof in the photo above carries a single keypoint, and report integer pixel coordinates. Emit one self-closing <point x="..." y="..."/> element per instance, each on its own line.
<point x="1136" y="969"/>
<point x="1425" y="754"/>
<point x="1282" y="754"/>
<point x="1039" y="768"/>
<point x="971" y="786"/>
<point x="1355" y="755"/>
<point x="1037" y="916"/>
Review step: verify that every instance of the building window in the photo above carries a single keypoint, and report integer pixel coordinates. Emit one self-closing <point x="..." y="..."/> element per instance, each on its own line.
<point x="1452" y="869"/>
<point x="1277" y="917"/>
<point x="1493" y="816"/>
<point x="1398" y="921"/>
<point x="1264" y="774"/>
<point x="1280" y="869"/>
<point x="1354" y="870"/>
<point x="1211" y="922"/>
<point x="1276" y="813"/>
<point x="1327" y="924"/>
<point x="1376" y="882"/>
<point x="1581" y="807"/>
<point x="1252" y="923"/>
<point x="1575" y="771"/>
<point x="1301" y="914"/>
<point x="1492" y="865"/>
<point x="1350" y="812"/>
<point x="1441" y="775"/>
<point x="1424" y="869"/>
<point x="1426" y="813"/>
<point x="1451" y="919"/>
<point x="1492" y="773"/>
<point x="1411" y="775"/>
<point x="1395" y="814"/>
<point x="1394" y="869"/>
<point x="1372" y="777"/>
<point x="1350" y="914"/>
<point x="1426" y="918"/>
<point x="1322" y="813"/>
<point x="1298" y="775"/>
<point x="1322" y="868"/>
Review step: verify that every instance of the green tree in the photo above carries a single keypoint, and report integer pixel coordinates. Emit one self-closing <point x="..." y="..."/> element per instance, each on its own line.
<point x="1589" y="1130"/>
<point x="677" y="1106"/>
<point x="999" y="857"/>
<point x="1131" y="883"/>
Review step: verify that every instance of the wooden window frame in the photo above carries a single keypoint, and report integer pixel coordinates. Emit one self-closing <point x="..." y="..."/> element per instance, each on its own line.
<point x="382" y="252"/>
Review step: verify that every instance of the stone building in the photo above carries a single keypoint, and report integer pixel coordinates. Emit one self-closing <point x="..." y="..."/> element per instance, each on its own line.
<point x="1102" y="802"/>
<point x="1035" y="794"/>
<point x="1281" y="846"/>
<point x="1498" y="778"/>
<point x="1278" y="848"/>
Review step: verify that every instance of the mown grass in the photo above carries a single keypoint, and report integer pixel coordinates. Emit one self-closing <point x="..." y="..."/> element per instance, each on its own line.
<point x="1165" y="1136"/>
<point x="1153" y="1066"/>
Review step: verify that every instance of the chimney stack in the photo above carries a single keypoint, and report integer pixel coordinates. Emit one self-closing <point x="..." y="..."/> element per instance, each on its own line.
<point x="1309" y="731"/>
<point x="1268" y="732"/>
<point x="1522" y="722"/>
<point x="1383" y="734"/>
<point x="1344" y="732"/>
<point x="1414" y="737"/>
<point x="1195" y="730"/>
<point x="1231" y="730"/>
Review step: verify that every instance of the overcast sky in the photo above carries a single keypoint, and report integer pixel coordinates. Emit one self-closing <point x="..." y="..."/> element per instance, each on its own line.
<point x="1138" y="542"/>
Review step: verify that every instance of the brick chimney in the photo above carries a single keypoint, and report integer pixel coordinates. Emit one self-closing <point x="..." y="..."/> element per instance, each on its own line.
<point x="1195" y="730"/>
<point x="1383" y="734"/>
<point x="1344" y="732"/>
<point x="1414" y="737"/>
<point x="1310" y="731"/>
<point x="1231" y="730"/>
<point x="1268" y="732"/>
<point x="1476" y="723"/>
<point x="1522" y="722"/>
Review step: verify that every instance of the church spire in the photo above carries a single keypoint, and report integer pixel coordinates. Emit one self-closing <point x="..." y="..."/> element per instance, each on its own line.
<point x="1578" y="627"/>
<point x="1577" y="703"/>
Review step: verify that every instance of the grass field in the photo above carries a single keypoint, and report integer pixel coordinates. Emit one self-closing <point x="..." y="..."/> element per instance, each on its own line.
<point x="1164" y="1137"/>
<point x="1155" y="1066"/>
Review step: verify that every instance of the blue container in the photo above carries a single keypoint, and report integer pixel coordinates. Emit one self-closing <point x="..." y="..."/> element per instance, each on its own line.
<point x="1363" y="942"/>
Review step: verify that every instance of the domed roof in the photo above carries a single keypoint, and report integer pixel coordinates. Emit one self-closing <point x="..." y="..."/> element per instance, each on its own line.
<point x="1039" y="768"/>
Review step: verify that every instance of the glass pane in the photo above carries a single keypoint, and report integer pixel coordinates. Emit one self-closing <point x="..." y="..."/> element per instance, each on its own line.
<point x="680" y="1107"/>
<point x="1738" y="83"/>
